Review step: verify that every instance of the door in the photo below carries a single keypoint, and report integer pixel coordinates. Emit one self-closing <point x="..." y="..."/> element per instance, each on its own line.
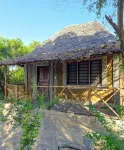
<point x="43" y="79"/>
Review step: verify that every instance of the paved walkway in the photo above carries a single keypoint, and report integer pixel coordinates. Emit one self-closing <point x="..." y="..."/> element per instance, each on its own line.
<point x="58" y="129"/>
<point x="47" y="134"/>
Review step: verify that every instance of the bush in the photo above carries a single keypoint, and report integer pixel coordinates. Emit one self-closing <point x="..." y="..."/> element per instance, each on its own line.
<point x="113" y="139"/>
<point x="16" y="76"/>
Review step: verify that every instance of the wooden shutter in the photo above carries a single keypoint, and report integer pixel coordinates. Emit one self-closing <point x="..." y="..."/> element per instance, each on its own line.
<point x="72" y="73"/>
<point x="104" y="71"/>
<point x="83" y="72"/>
<point x="95" y="72"/>
<point x="64" y="73"/>
<point x="51" y="72"/>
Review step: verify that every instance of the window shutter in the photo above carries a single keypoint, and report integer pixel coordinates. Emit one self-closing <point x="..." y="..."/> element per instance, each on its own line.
<point x="51" y="72"/>
<point x="83" y="73"/>
<point x="72" y="73"/>
<point x="95" y="72"/>
<point x="104" y="71"/>
<point x="64" y="73"/>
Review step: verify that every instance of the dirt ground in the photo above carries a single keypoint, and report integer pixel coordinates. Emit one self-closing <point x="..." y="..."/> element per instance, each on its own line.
<point x="58" y="130"/>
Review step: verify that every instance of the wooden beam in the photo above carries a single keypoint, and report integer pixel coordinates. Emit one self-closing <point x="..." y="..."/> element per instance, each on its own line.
<point x="106" y="104"/>
<point x="5" y="82"/>
<point x="110" y="97"/>
<point x="26" y="78"/>
<point x="121" y="82"/>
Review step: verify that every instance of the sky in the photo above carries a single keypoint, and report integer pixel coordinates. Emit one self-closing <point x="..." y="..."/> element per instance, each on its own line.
<point x="38" y="20"/>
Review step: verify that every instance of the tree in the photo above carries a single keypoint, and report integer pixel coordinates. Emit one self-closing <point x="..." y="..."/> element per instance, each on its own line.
<point x="12" y="48"/>
<point x="121" y="23"/>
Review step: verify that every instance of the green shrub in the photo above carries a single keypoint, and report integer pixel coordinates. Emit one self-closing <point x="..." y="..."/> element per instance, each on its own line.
<point x="16" y="76"/>
<point x="1" y="96"/>
<point x="112" y="139"/>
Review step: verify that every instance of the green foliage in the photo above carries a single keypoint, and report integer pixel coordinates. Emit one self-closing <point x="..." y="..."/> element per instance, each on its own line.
<point x="111" y="140"/>
<point x="16" y="76"/>
<point x="98" y="6"/>
<point x="33" y="45"/>
<point x="12" y="48"/>
<point x="2" y="117"/>
<point x="54" y="101"/>
<point x="120" y="110"/>
<point x="30" y="128"/>
<point x="1" y="96"/>
<point x="27" y="116"/>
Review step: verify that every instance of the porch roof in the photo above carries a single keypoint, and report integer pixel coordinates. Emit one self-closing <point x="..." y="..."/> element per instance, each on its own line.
<point x="73" y="42"/>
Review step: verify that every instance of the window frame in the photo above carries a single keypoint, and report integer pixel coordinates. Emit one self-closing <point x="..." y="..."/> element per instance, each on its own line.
<point x="89" y="75"/>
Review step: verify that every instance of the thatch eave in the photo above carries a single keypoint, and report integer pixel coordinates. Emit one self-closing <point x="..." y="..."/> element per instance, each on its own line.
<point x="66" y="56"/>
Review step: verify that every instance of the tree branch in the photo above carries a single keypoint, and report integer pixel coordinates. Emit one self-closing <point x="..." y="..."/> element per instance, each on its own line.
<point x="113" y="24"/>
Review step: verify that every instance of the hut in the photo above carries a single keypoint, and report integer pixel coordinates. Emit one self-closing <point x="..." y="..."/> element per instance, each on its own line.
<point x="81" y="62"/>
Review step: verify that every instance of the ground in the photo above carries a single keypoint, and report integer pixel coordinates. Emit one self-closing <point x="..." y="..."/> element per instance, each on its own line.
<point x="58" y="129"/>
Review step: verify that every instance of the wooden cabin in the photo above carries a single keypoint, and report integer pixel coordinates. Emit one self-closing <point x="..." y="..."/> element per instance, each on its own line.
<point x="81" y="62"/>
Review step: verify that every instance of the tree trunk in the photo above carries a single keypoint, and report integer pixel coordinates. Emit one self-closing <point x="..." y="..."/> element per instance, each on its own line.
<point x="120" y="23"/>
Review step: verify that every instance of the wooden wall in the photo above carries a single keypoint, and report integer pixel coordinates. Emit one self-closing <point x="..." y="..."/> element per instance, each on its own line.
<point x="110" y="78"/>
<point x="107" y="81"/>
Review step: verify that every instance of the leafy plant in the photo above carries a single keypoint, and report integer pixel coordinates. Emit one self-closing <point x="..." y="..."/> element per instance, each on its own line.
<point x="112" y="139"/>
<point x="16" y="76"/>
<point x="120" y="110"/>
<point x="27" y="116"/>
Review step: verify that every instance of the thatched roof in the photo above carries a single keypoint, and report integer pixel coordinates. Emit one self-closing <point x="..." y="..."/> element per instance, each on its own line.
<point x="73" y="42"/>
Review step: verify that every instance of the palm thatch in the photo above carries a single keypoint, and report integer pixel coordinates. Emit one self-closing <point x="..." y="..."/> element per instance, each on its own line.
<point x="73" y="42"/>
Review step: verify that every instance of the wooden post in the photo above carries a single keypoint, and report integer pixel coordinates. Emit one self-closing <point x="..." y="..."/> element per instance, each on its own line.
<point x="16" y="92"/>
<point x="51" y="80"/>
<point x="89" y="99"/>
<point x="5" y="82"/>
<point x="121" y="83"/>
<point x="48" y="87"/>
<point x="26" y="80"/>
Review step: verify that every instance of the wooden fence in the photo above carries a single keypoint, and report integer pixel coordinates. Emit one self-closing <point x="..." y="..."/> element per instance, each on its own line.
<point x="15" y="91"/>
<point x="67" y="93"/>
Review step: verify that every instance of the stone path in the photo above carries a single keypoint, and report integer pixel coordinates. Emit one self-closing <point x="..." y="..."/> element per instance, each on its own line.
<point x="58" y="129"/>
<point x="47" y="135"/>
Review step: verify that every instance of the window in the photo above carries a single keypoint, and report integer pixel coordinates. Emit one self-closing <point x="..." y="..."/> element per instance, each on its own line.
<point x="84" y="72"/>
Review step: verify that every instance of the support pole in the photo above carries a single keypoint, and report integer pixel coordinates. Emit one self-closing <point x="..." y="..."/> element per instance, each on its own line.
<point x="121" y="23"/>
<point x="26" y="80"/>
<point x="5" y="82"/>
<point x="121" y="82"/>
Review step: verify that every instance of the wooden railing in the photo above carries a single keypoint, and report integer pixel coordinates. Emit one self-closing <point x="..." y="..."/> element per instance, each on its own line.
<point x="75" y="94"/>
<point x="71" y="93"/>
<point x="15" y="91"/>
